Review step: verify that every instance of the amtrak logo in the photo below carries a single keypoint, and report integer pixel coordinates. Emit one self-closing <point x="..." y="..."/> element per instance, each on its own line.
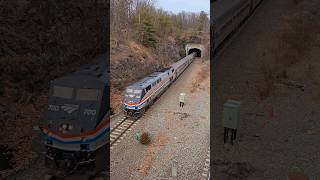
<point x="70" y="108"/>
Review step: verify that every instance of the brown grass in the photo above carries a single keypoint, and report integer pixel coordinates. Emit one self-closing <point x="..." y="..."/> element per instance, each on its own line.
<point x="115" y="98"/>
<point x="200" y="77"/>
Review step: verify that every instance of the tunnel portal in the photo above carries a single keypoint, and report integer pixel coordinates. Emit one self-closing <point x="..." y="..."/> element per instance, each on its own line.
<point x="197" y="48"/>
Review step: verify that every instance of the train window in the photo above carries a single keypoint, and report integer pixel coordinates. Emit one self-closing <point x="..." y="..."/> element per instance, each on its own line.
<point x="153" y="84"/>
<point x="172" y="70"/>
<point x="129" y="90"/>
<point x="148" y="88"/>
<point x="62" y="92"/>
<point x="88" y="94"/>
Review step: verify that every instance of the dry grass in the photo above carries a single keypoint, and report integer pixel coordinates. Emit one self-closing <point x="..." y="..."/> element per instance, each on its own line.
<point x="116" y="98"/>
<point x="200" y="77"/>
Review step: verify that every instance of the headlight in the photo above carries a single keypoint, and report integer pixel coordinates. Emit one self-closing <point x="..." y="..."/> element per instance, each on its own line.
<point x="65" y="127"/>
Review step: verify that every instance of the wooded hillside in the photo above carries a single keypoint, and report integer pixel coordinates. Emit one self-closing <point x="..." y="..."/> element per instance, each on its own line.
<point x="145" y="38"/>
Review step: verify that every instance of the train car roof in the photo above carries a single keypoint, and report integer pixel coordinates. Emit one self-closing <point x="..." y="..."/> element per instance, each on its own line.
<point x="178" y="63"/>
<point x="224" y="9"/>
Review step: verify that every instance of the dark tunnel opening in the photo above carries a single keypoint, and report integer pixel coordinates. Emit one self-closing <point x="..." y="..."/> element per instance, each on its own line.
<point x="196" y="50"/>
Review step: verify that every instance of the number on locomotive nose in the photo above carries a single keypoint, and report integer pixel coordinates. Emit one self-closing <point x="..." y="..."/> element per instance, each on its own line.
<point x="90" y="112"/>
<point x="53" y="108"/>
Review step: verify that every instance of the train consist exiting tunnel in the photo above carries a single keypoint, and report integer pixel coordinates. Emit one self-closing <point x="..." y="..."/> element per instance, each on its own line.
<point x="227" y="16"/>
<point x="142" y="94"/>
<point x="76" y="124"/>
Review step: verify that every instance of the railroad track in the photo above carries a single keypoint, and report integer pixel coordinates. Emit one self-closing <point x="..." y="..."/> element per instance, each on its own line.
<point x="120" y="129"/>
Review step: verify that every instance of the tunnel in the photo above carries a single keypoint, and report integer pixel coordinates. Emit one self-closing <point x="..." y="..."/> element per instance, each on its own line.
<point x="196" y="50"/>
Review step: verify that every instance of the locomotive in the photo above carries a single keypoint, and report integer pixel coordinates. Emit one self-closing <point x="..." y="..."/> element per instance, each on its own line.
<point x="141" y="94"/>
<point x="76" y="125"/>
<point x="228" y="15"/>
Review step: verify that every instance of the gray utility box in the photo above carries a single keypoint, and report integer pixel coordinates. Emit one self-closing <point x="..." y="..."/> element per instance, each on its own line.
<point x="231" y="114"/>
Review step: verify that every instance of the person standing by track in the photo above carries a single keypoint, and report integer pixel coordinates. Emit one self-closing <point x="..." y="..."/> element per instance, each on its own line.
<point x="182" y="98"/>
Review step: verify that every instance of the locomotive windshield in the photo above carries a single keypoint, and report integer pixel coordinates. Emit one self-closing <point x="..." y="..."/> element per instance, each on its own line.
<point x="81" y="94"/>
<point x="77" y="107"/>
<point x="62" y="92"/>
<point x="88" y="95"/>
<point x="133" y="95"/>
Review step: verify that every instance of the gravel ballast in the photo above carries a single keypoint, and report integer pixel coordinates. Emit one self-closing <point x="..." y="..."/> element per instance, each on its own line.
<point x="180" y="134"/>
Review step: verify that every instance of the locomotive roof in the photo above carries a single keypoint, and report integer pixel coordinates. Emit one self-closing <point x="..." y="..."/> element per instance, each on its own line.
<point x="148" y="80"/>
<point x="97" y="70"/>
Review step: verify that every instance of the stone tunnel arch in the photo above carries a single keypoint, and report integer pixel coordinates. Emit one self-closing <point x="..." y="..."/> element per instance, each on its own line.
<point x="197" y="48"/>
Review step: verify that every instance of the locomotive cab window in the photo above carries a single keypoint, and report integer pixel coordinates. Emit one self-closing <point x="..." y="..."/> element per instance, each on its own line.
<point x="137" y="91"/>
<point x="129" y="90"/>
<point x="88" y="95"/>
<point x="148" y="88"/>
<point x="62" y="92"/>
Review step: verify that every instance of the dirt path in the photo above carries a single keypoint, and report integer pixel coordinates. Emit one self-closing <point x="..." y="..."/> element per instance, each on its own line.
<point x="269" y="70"/>
<point x="177" y="133"/>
